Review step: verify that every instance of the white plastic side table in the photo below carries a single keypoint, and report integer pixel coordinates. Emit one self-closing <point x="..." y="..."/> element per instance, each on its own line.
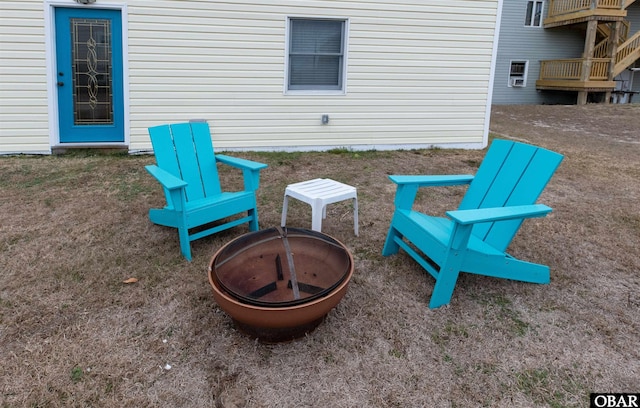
<point x="318" y="193"/>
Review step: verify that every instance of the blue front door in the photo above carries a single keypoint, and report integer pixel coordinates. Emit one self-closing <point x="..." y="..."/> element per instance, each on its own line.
<point x="89" y="75"/>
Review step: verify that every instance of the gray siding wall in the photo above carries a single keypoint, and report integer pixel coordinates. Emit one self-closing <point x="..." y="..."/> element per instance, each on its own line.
<point x="635" y="82"/>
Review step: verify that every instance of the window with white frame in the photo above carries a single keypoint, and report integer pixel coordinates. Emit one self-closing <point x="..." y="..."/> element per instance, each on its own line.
<point x="518" y="74"/>
<point x="316" y="56"/>
<point x="534" y="14"/>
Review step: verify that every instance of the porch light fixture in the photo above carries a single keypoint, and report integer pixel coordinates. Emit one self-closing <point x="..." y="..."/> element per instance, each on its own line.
<point x="85" y="1"/>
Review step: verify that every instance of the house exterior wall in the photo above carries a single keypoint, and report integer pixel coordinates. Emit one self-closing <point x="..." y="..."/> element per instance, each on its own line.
<point x="23" y="88"/>
<point x="418" y="73"/>
<point x="635" y="82"/>
<point x="633" y="17"/>
<point x="532" y="44"/>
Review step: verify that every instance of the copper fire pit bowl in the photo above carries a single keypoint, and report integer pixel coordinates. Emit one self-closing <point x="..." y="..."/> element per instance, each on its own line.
<point x="278" y="284"/>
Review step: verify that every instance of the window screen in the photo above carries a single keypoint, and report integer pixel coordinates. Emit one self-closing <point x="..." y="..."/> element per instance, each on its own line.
<point x="316" y="54"/>
<point x="518" y="68"/>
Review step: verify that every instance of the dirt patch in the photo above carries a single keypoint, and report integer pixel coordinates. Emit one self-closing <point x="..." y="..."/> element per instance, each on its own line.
<point x="73" y="334"/>
<point x="568" y="123"/>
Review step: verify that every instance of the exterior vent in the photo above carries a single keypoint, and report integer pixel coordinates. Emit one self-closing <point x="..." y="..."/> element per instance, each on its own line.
<point x="517" y="82"/>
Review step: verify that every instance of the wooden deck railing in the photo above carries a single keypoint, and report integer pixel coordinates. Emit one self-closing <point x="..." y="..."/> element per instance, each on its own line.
<point x="571" y="69"/>
<point x="600" y="50"/>
<point x="559" y="7"/>
<point x="627" y="53"/>
<point x="627" y="48"/>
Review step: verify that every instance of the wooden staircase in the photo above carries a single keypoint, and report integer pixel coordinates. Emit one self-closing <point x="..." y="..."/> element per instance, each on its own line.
<point x="628" y="53"/>
<point x="604" y="32"/>
<point x="608" y="49"/>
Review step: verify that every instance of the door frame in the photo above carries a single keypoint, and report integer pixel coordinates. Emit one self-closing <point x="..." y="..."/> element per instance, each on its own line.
<point x="52" y="88"/>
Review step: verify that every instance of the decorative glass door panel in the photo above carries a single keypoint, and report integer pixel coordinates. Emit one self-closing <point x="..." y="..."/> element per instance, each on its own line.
<point x="91" y="70"/>
<point x="89" y="74"/>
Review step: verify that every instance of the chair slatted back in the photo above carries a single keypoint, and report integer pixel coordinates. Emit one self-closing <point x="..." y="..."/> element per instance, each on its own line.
<point x="511" y="174"/>
<point x="185" y="150"/>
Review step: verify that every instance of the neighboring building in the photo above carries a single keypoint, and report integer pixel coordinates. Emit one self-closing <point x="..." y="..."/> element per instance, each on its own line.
<point x="265" y="74"/>
<point x="547" y="48"/>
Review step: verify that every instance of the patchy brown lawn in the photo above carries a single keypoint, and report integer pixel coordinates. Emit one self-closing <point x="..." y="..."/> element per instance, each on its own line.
<point x="75" y="227"/>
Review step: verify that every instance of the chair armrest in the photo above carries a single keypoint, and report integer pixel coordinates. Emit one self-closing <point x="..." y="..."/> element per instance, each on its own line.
<point x="408" y="186"/>
<point x="250" y="170"/>
<point x="466" y="217"/>
<point x="240" y="163"/>
<point x="168" y="180"/>
<point x="432" y="180"/>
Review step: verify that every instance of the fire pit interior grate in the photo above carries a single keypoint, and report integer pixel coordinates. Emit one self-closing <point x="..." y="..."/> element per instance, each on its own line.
<point x="281" y="267"/>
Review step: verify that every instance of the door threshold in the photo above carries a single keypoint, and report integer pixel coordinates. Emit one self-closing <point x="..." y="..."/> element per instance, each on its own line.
<point x="93" y="149"/>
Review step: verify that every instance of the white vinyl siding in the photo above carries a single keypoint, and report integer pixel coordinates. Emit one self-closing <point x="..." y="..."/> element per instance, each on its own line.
<point x="418" y="73"/>
<point x="23" y="87"/>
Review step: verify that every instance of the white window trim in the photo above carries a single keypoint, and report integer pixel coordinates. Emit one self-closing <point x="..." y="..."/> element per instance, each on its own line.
<point x="541" y="15"/>
<point x="523" y="76"/>
<point x="343" y="91"/>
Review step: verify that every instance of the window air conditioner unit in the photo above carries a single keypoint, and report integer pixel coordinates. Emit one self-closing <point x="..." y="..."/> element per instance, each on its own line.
<point x="517" y="82"/>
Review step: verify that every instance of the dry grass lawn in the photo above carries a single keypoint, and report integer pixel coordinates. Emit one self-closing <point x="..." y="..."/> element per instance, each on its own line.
<point x="73" y="334"/>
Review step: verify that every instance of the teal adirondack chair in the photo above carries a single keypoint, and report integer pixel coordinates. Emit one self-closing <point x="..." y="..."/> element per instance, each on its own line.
<point x="187" y="170"/>
<point x="474" y="238"/>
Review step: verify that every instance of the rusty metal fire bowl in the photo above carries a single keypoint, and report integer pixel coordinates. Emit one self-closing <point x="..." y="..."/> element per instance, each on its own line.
<point x="278" y="284"/>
